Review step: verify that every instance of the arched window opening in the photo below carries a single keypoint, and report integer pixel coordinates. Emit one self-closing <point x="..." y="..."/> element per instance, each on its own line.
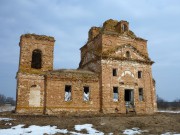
<point x="33" y="86"/>
<point x="127" y="54"/>
<point x="36" y="59"/>
<point x="124" y="28"/>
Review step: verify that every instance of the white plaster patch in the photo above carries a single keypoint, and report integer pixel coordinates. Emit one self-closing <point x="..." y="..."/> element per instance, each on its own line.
<point x="139" y="57"/>
<point x="127" y="72"/>
<point x="124" y="63"/>
<point x="34" y="97"/>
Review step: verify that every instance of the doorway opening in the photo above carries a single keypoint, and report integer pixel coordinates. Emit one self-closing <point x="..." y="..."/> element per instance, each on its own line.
<point x="129" y="97"/>
<point x="129" y="100"/>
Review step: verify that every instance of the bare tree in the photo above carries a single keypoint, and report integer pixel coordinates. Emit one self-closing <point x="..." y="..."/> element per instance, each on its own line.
<point x="2" y="99"/>
<point x="165" y="105"/>
<point x="10" y="100"/>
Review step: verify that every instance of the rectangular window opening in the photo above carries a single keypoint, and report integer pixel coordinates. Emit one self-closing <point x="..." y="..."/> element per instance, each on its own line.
<point x="114" y="72"/>
<point x="86" y="93"/>
<point x="67" y="92"/>
<point x="139" y="74"/>
<point x="115" y="94"/>
<point x="141" y="94"/>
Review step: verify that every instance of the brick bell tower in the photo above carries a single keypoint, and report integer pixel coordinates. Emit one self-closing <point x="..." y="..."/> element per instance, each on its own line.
<point x="36" y="57"/>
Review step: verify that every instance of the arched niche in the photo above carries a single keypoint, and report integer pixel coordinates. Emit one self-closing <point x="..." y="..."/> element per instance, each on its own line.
<point x="128" y="55"/>
<point x="34" y="96"/>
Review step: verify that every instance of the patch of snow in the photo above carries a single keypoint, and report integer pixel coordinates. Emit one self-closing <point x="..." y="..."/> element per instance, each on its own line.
<point x="166" y="111"/>
<point x="89" y="129"/>
<point x="170" y="133"/>
<point x="41" y="130"/>
<point x="6" y="119"/>
<point x="102" y="123"/>
<point x="8" y="124"/>
<point x="6" y="108"/>
<point x="32" y="130"/>
<point x="133" y="131"/>
<point x="75" y="133"/>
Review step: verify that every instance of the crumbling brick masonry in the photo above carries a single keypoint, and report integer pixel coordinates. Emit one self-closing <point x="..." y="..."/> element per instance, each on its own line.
<point x="114" y="75"/>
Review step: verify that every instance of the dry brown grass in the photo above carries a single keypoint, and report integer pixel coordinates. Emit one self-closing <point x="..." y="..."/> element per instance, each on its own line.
<point x="155" y="124"/>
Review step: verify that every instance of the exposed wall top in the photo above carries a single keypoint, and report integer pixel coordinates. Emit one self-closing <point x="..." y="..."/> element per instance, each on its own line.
<point x="64" y="71"/>
<point x="36" y="53"/>
<point x="73" y="74"/>
<point x="113" y="27"/>
<point x="38" y="37"/>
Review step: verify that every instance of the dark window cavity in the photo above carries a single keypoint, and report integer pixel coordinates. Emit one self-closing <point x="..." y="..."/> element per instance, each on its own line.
<point x="139" y="74"/>
<point x="86" y="93"/>
<point x="127" y="54"/>
<point x="141" y="94"/>
<point x="36" y="59"/>
<point x="124" y="28"/>
<point x="128" y="95"/>
<point x="114" y="72"/>
<point x="34" y="86"/>
<point x="115" y="94"/>
<point x="67" y="93"/>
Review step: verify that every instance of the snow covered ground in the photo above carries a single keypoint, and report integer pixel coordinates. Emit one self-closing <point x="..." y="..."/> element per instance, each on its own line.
<point x="41" y="130"/>
<point x="167" y="111"/>
<point x="137" y="131"/>
<point x="6" y="119"/>
<point x="6" y="108"/>
<point x="134" y="131"/>
<point x="89" y="128"/>
<point x="170" y="133"/>
<point x="32" y="130"/>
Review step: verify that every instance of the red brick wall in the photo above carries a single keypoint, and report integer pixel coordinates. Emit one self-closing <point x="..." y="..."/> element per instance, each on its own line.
<point x="127" y="82"/>
<point x="106" y="49"/>
<point x="28" y="77"/>
<point x="55" y="96"/>
<point x="24" y="84"/>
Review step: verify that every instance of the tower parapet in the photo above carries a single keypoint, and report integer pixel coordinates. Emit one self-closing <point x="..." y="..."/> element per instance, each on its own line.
<point x="36" y="53"/>
<point x="113" y="27"/>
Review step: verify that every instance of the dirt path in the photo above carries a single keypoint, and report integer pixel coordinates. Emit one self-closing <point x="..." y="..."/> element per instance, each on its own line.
<point x="156" y="124"/>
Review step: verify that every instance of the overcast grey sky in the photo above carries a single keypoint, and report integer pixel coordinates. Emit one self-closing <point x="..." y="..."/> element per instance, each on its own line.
<point x="68" y="21"/>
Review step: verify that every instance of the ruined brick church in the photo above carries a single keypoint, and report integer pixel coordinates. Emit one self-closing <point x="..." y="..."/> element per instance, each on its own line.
<point x="114" y="75"/>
